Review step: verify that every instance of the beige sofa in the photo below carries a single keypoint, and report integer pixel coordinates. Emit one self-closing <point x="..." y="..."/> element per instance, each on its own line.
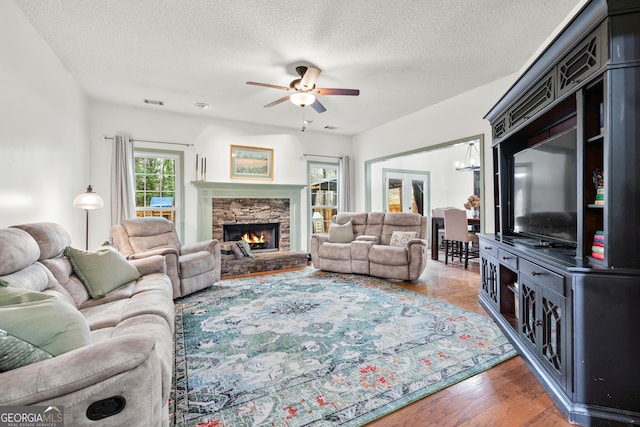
<point x="374" y="248"/>
<point x="125" y="366"/>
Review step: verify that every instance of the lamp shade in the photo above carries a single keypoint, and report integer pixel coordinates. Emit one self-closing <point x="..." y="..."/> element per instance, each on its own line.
<point x="88" y="200"/>
<point x="302" y="98"/>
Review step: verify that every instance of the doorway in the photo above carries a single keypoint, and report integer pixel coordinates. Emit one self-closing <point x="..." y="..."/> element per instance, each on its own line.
<point x="406" y="191"/>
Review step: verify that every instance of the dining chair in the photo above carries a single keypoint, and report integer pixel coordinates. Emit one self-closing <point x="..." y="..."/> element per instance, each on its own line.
<point x="456" y="234"/>
<point x="438" y="213"/>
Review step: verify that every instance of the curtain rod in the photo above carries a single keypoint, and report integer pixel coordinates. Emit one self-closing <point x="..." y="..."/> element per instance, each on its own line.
<point x="321" y="155"/>
<point x="155" y="142"/>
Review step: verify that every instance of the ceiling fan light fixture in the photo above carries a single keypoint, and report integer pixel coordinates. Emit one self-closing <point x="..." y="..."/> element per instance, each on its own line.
<point x="302" y="99"/>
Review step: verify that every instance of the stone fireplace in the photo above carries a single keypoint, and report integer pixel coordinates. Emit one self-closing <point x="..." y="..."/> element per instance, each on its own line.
<point x="232" y="218"/>
<point x="222" y="204"/>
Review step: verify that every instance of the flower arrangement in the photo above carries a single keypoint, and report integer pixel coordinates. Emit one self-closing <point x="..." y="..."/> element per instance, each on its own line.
<point x="473" y="202"/>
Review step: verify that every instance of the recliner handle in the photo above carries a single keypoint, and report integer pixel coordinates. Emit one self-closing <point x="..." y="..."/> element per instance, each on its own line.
<point x="106" y="407"/>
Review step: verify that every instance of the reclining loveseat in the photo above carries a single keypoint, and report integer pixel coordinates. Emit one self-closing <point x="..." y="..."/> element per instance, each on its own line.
<point x="388" y="245"/>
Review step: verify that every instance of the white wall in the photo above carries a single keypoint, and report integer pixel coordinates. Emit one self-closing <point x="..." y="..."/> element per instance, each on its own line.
<point x="52" y="146"/>
<point x="43" y="131"/>
<point x="448" y="187"/>
<point x="212" y="138"/>
<point x="453" y="119"/>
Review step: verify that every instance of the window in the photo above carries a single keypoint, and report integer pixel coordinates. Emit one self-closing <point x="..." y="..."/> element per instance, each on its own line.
<point x="157" y="184"/>
<point x="323" y="184"/>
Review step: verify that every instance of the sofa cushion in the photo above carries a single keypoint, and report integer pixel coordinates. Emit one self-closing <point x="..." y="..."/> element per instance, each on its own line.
<point x="101" y="271"/>
<point x="15" y="352"/>
<point x="401" y="238"/>
<point x="388" y="255"/>
<point x="51" y="238"/>
<point x="341" y="233"/>
<point x="18" y="250"/>
<point x="375" y="220"/>
<point x="36" y="277"/>
<point x="399" y="221"/>
<point x="28" y="315"/>
<point x="340" y="251"/>
<point x="150" y="295"/>
<point x="358" y="221"/>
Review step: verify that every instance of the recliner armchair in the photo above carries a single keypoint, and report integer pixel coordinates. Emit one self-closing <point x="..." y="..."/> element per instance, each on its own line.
<point x="190" y="267"/>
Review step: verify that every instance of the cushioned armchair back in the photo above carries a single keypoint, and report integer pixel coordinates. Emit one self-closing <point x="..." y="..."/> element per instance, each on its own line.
<point x="358" y="221"/>
<point x="401" y="221"/>
<point x="145" y="234"/>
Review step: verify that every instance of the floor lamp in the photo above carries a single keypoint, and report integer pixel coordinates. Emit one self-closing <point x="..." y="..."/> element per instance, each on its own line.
<point x="88" y="200"/>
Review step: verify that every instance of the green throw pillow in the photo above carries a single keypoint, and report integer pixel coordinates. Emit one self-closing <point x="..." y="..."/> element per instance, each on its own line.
<point x="15" y="353"/>
<point x="341" y="233"/>
<point x="101" y="271"/>
<point x="41" y="320"/>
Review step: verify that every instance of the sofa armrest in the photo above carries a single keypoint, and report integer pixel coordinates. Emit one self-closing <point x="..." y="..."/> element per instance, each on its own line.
<point x="159" y="251"/>
<point x="368" y="238"/>
<point x="207" y="245"/>
<point x="316" y="241"/>
<point x="76" y="370"/>
<point x="321" y="238"/>
<point x="417" y="249"/>
<point x="150" y="265"/>
<point x="421" y="242"/>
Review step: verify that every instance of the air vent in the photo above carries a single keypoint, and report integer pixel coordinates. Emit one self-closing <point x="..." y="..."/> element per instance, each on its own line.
<point x="328" y="127"/>
<point x="153" y="102"/>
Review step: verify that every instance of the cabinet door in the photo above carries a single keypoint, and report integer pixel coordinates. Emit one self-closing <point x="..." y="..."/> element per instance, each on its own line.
<point x="542" y="326"/>
<point x="552" y="315"/>
<point x="489" y="280"/>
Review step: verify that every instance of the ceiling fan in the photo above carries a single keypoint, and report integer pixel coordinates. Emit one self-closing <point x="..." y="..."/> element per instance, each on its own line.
<point x="305" y="91"/>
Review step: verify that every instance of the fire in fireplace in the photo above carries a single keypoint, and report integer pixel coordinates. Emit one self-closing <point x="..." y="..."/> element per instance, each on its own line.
<point x="261" y="237"/>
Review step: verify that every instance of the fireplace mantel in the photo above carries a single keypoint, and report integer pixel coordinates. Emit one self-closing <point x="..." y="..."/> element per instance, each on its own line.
<point x="231" y="190"/>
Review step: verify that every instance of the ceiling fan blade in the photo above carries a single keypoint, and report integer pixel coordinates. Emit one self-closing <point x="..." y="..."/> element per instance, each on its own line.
<point x="277" y="101"/>
<point x="308" y="80"/>
<point x="317" y="105"/>
<point x="268" y="85"/>
<point x="329" y="91"/>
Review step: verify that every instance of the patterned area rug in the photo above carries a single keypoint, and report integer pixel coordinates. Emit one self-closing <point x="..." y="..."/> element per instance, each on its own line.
<point x="310" y="348"/>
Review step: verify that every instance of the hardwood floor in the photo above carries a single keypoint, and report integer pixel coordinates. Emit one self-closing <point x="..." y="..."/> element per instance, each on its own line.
<point x="506" y="395"/>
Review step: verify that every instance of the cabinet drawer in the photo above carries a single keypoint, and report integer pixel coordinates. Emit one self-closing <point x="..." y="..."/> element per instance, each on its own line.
<point x="508" y="259"/>
<point x="542" y="277"/>
<point x="487" y="248"/>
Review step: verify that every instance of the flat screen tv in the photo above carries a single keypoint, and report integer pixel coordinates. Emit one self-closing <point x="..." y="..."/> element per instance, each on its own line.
<point x="544" y="198"/>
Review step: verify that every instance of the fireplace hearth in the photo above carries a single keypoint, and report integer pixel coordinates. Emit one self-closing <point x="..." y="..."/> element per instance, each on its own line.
<point x="261" y="237"/>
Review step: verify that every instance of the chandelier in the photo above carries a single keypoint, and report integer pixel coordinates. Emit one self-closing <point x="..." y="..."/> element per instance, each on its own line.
<point x="471" y="160"/>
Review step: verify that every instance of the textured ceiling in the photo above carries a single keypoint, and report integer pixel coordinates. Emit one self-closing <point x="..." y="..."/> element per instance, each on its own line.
<point x="403" y="55"/>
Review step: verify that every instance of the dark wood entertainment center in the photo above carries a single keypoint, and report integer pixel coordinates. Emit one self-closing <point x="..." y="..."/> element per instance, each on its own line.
<point x="573" y="310"/>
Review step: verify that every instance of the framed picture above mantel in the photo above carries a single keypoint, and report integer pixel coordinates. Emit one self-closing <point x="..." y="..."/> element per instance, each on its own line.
<point x="251" y="163"/>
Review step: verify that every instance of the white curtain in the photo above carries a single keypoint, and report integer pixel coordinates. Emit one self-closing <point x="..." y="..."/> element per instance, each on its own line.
<point x="123" y="203"/>
<point x="344" y="196"/>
